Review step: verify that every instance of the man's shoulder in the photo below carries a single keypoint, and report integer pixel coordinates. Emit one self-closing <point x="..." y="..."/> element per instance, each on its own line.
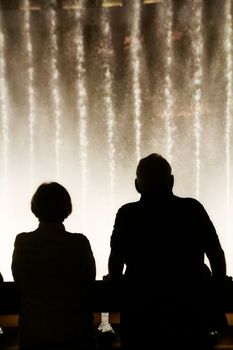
<point x="130" y="206"/>
<point x="189" y="201"/>
<point x="189" y="205"/>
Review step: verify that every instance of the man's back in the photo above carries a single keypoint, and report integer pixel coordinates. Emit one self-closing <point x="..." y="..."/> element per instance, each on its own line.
<point x="164" y="242"/>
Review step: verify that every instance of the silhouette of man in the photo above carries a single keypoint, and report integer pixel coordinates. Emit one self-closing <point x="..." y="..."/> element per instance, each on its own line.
<point x="55" y="271"/>
<point x="162" y="240"/>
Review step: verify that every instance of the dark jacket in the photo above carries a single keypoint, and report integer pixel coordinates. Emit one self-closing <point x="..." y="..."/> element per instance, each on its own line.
<point x="163" y="243"/>
<point x="55" y="271"/>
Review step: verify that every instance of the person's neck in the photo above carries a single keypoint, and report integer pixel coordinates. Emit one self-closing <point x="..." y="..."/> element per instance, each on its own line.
<point x="50" y="223"/>
<point x="157" y="195"/>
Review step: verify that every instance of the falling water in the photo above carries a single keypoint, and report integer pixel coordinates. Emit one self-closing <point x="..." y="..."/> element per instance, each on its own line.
<point x="81" y="101"/>
<point x="229" y="106"/>
<point x="4" y="141"/>
<point x="4" y="116"/>
<point x="168" y="88"/>
<point x="54" y="80"/>
<point x="197" y="44"/>
<point x="135" y="52"/>
<point x="30" y="86"/>
<point x="108" y="102"/>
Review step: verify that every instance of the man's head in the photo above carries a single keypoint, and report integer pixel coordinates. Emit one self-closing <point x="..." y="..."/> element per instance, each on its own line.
<point x="51" y="203"/>
<point x="154" y="174"/>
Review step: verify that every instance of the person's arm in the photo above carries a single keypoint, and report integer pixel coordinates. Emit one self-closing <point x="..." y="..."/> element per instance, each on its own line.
<point x="91" y="266"/>
<point x="115" y="266"/>
<point x="116" y="260"/>
<point x="216" y="257"/>
<point x="14" y="263"/>
<point x="213" y="248"/>
<point x="215" y="254"/>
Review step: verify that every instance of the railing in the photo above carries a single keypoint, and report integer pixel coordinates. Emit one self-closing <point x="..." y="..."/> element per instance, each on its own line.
<point x="106" y="300"/>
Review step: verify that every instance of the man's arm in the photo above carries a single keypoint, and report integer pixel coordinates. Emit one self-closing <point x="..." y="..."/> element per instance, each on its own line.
<point x="217" y="261"/>
<point x="213" y="248"/>
<point x="115" y="266"/>
<point x="15" y="262"/>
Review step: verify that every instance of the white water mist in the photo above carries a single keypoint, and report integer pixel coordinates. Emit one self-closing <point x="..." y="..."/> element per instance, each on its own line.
<point x="168" y="86"/>
<point x="30" y="87"/>
<point x="107" y="98"/>
<point x="54" y="85"/>
<point x="81" y="105"/>
<point x="228" y="38"/>
<point x="197" y="50"/>
<point x="135" y="54"/>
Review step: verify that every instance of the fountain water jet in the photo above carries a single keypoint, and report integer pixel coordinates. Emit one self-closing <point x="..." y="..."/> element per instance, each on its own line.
<point x="197" y="45"/>
<point x="229" y="110"/>
<point x="5" y="140"/>
<point x="108" y="102"/>
<point x="135" y="54"/>
<point x="54" y="81"/>
<point x="4" y="118"/>
<point x="168" y="88"/>
<point x="81" y="106"/>
<point x="30" y="88"/>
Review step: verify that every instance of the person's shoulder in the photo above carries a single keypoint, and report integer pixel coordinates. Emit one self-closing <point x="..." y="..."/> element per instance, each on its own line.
<point x="129" y="206"/>
<point x="78" y="241"/>
<point x="77" y="237"/>
<point x="127" y="212"/>
<point x="189" y="202"/>
<point x="24" y="237"/>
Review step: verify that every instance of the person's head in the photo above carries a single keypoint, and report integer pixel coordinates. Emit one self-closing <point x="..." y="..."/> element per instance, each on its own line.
<point x="154" y="174"/>
<point x="51" y="203"/>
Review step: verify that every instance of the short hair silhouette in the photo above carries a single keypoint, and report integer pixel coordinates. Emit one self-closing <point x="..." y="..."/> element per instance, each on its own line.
<point x="153" y="172"/>
<point x="51" y="203"/>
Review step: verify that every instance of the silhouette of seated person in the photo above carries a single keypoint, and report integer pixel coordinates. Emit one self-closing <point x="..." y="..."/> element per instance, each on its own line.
<point x="158" y="247"/>
<point x="55" y="272"/>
